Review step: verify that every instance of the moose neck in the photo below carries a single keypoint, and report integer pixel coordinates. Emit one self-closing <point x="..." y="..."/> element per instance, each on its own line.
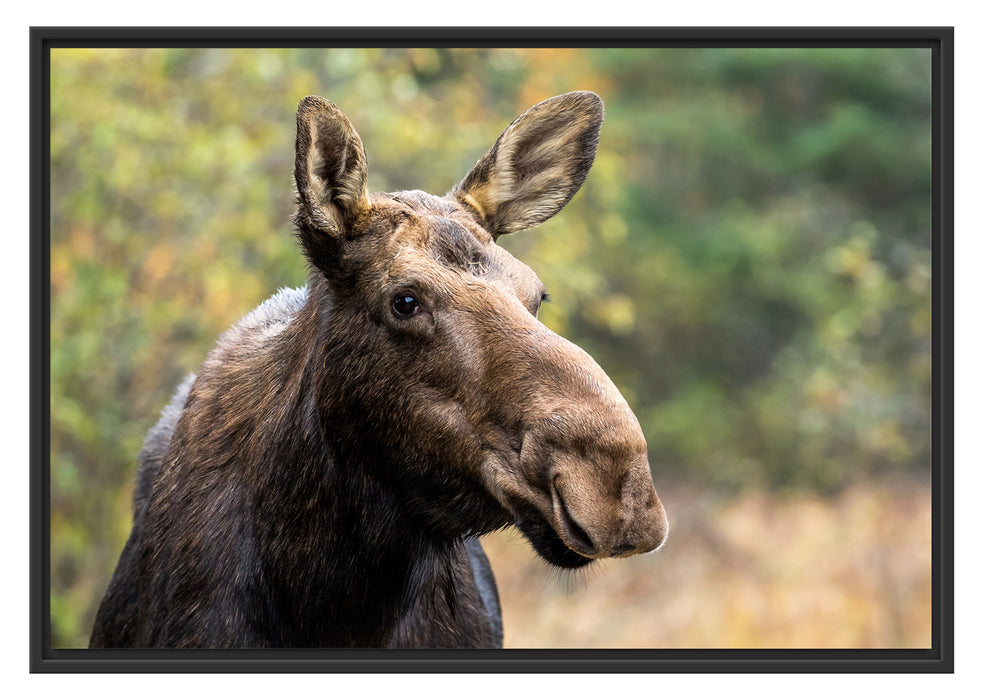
<point x="364" y="557"/>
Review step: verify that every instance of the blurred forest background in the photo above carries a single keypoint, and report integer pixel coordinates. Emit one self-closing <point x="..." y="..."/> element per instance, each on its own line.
<point x="749" y="260"/>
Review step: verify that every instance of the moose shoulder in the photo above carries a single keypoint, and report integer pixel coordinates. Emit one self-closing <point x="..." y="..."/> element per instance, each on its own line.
<point x="323" y="479"/>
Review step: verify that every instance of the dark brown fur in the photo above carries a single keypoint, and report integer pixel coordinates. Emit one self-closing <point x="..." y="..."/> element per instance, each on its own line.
<point x="321" y="481"/>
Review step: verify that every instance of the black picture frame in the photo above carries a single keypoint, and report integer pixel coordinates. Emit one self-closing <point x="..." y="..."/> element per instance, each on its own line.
<point x="937" y="659"/>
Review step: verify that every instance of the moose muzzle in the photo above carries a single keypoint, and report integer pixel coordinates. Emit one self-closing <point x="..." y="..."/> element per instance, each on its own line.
<point x="595" y="489"/>
<point x="584" y="489"/>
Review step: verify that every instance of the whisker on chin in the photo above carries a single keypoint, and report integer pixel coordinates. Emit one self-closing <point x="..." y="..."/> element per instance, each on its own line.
<point x="573" y="580"/>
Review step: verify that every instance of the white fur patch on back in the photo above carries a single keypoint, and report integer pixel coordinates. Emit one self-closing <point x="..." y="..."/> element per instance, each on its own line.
<point x="274" y="314"/>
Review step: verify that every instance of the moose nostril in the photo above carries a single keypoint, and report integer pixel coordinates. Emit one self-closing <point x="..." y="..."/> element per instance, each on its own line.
<point x="574" y="530"/>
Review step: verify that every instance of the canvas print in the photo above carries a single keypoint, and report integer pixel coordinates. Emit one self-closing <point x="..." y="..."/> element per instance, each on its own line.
<point x="611" y="348"/>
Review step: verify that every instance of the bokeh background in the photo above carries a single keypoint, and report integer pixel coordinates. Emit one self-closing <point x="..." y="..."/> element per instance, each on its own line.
<point x="750" y="261"/>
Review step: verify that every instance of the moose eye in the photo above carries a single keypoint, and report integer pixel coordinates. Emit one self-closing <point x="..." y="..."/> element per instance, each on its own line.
<point x="405" y="305"/>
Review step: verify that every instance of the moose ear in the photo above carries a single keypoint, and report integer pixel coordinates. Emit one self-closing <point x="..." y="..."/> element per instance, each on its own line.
<point x="536" y="166"/>
<point x="330" y="168"/>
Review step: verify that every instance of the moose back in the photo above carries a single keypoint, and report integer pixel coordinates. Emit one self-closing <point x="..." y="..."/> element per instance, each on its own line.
<point x="323" y="480"/>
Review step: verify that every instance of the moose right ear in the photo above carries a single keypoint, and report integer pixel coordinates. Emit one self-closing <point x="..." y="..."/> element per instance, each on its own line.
<point x="330" y="169"/>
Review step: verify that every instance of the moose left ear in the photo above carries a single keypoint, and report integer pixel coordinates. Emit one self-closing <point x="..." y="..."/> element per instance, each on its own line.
<point x="536" y="166"/>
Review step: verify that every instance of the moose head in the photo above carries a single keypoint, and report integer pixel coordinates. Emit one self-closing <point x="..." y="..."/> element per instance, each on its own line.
<point x="436" y="374"/>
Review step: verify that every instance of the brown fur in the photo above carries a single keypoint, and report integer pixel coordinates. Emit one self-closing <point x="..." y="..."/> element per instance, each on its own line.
<point x="320" y="481"/>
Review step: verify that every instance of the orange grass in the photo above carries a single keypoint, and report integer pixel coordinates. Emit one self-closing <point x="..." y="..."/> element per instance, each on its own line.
<point x="754" y="570"/>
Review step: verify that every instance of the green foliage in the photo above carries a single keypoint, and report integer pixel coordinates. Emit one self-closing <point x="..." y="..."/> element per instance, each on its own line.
<point x="749" y="259"/>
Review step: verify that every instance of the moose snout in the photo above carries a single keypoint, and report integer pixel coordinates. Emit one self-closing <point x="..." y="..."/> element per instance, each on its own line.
<point x="599" y="498"/>
<point x="584" y="463"/>
<point x="598" y="521"/>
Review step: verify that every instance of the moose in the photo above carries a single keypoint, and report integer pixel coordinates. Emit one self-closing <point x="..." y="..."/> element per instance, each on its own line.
<point x="323" y="479"/>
